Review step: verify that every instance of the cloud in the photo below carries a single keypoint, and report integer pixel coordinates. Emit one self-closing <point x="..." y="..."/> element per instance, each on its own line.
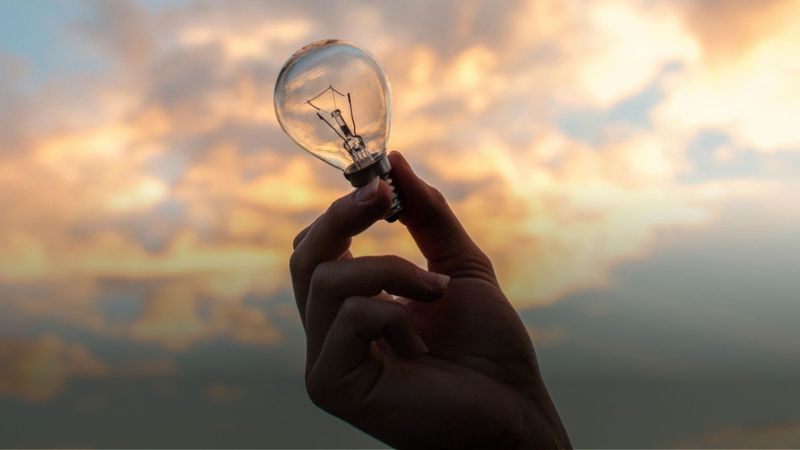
<point x="728" y="29"/>
<point x="566" y="221"/>
<point x="597" y="54"/>
<point x="122" y="29"/>
<point x="39" y="369"/>
<point x="176" y="178"/>
<point x="223" y="392"/>
<point x="250" y="42"/>
<point x="548" y="336"/>
<point x="179" y="315"/>
<point x="746" y="86"/>
<point x="778" y="435"/>
<point x="147" y="368"/>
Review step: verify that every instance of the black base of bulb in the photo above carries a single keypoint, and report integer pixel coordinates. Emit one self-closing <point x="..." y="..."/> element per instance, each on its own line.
<point x="380" y="168"/>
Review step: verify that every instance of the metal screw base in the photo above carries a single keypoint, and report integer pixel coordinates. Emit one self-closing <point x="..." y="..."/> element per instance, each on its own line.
<point x="397" y="207"/>
<point x="379" y="168"/>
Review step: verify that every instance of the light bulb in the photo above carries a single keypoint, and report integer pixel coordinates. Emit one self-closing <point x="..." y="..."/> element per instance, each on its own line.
<point x="333" y="99"/>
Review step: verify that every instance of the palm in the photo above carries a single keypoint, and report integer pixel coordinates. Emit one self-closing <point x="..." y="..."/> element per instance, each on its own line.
<point x="480" y="364"/>
<point x="474" y="326"/>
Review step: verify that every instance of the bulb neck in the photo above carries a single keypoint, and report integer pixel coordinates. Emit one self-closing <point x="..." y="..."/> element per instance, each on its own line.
<point x="378" y="168"/>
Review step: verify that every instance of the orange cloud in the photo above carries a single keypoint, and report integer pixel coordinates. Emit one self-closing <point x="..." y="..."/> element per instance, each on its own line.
<point x="780" y="435"/>
<point x="252" y="41"/>
<point x="223" y="393"/>
<point x="552" y="228"/>
<point x="727" y="29"/>
<point x="39" y="369"/>
<point x="147" y="368"/>
<point x="747" y="86"/>
<point x="548" y="336"/>
<point x="179" y="177"/>
<point x="593" y="55"/>
<point x="172" y="317"/>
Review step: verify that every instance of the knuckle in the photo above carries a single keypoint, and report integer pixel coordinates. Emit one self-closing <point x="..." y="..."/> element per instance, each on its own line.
<point x="319" y="393"/>
<point x="351" y="308"/>
<point x="296" y="262"/>
<point x="400" y="270"/>
<point x="397" y="269"/>
<point x="299" y="238"/>
<point x="393" y="262"/>
<point x="400" y="261"/>
<point x="483" y="259"/>
<point x="336" y="212"/>
<point x="437" y="197"/>
<point x="324" y="276"/>
<point x="340" y="203"/>
<point x="396" y="310"/>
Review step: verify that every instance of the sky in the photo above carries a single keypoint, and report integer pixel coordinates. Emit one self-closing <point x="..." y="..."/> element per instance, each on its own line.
<point x="630" y="167"/>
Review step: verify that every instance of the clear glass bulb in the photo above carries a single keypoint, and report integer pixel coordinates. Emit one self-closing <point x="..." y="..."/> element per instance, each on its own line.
<point x="333" y="99"/>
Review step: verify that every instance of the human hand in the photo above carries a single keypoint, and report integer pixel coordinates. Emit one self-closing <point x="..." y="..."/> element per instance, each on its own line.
<point x="448" y="364"/>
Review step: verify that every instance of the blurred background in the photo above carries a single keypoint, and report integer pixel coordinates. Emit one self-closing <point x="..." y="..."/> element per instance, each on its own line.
<point x="630" y="166"/>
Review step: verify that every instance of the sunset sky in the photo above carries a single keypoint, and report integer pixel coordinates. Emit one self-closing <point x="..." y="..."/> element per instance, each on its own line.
<point x="631" y="167"/>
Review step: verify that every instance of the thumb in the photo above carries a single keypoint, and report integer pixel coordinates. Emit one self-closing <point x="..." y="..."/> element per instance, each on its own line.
<point x="435" y="228"/>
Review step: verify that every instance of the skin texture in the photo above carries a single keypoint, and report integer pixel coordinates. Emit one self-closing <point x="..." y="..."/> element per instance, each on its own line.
<point x="446" y="364"/>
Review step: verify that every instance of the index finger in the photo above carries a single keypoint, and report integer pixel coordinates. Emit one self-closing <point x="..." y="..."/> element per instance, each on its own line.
<point x="329" y="236"/>
<point x="435" y="228"/>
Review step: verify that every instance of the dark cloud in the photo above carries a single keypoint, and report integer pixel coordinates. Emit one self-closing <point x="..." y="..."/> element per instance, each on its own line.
<point x="14" y="108"/>
<point x="122" y="28"/>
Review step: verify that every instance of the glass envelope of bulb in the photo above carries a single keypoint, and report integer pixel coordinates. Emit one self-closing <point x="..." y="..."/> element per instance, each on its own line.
<point x="330" y="98"/>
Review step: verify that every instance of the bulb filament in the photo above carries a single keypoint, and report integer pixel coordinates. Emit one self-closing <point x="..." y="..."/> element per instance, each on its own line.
<point x="351" y="141"/>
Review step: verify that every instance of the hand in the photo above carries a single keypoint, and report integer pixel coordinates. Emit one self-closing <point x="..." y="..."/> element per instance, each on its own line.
<point x="449" y="363"/>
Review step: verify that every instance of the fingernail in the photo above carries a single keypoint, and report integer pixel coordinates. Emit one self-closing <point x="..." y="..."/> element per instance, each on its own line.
<point x="367" y="192"/>
<point x="435" y="280"/>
